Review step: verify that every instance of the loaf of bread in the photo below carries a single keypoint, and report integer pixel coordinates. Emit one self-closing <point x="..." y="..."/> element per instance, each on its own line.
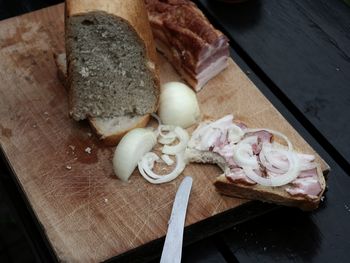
<point x="110" y="130"/>
<point x="112" y="70"/>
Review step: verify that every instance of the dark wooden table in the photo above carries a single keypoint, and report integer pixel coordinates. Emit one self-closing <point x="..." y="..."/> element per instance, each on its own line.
<point x="297" y="52"/>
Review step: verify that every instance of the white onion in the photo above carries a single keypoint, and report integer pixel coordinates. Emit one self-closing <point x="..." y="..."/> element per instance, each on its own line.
<point x="243" y="153"/>
<point x="150" y="158"/>
<point x="178" y="105"/>
<point x="183" y="137"/>
<point x="277" y="133"/>
<point x="130" y="150"/>
<point x="168" y="138"/>
<point x="270" y="158"/>
<point x="146" y="164"/>
<point x="273" y="158"/>
<point x="265" y="161"/>
<point x="277" y="180"/>
<point x="167" y="159"/>
<point x="145" y="168"/>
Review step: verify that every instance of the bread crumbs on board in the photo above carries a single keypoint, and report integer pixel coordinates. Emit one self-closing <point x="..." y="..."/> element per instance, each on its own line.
<point x="88" y="150"/>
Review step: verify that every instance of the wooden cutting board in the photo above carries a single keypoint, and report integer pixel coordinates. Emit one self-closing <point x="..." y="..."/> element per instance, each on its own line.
<point x="87" y="214"/>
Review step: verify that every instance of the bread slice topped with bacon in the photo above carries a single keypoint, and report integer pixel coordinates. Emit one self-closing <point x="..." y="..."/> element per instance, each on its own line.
<point x="255" y="166"/>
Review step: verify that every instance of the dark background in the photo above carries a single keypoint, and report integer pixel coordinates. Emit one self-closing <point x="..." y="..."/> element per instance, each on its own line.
<point x="297" y="52"/>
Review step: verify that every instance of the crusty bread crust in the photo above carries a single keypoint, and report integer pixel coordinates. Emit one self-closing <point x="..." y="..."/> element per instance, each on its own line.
<point x="276" y="195"/>
<point x="132" y="12"/>
<point x="114" y="139"/>
<point x="111" y="139"/>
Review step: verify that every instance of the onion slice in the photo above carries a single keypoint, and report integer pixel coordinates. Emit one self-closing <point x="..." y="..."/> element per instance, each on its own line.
<point x="183" y="137"/>
<point x="276" y="180"/>
<point x="168" y="138"/>
<point x="145" y="166"/>
<point x="243" y="152"/>
<point x="265" y="161"/>
<point x="167" y="159"/>
<point x="276" y="160"/>
<point x="130" y="150"/>
<point x="271" y="158"/>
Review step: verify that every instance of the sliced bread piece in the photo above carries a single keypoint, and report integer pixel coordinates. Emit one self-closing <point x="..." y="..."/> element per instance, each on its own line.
<point x="110" y="130"/>
<point x="276" y="195"/>
<point x="111" y="58"/>
<point x="243" y="187"/>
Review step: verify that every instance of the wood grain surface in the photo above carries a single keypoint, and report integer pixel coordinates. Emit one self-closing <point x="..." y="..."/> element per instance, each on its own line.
<point x="88" y="214"/>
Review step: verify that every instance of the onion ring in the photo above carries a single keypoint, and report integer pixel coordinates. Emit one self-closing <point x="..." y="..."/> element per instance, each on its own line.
<point x="145" y="169"/>
<point x="292" y="173"/>
<point x="243" y="152"/>
<point x="183" y="137"/>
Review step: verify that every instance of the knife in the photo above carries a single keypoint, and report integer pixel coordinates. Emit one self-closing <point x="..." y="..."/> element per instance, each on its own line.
<point x="172" y="249"/>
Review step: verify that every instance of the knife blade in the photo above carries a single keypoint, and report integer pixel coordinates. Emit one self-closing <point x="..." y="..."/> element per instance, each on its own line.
<point x="172" y="250"/>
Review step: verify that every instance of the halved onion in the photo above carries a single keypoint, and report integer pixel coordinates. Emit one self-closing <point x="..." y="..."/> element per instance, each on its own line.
<point x="178" y="105"/>
<point x="146" y="164"/>
<point x="130" y="150"/>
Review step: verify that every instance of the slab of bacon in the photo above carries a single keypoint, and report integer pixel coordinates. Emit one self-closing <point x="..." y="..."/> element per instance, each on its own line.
<point x="187" y="39"/>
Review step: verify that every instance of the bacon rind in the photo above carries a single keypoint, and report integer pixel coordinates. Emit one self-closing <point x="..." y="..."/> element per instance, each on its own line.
<point x="187" y="39"/>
